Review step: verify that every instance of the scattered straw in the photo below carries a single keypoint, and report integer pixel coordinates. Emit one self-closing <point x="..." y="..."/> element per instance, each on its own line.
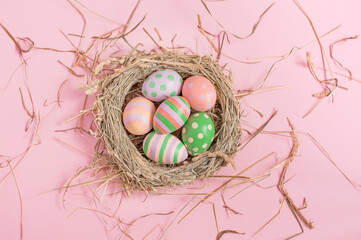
<point x="317" y="144"/>
<point x="223" y="185"/>
<point x="340" y="74"/>
<point x="327" y="91"/>
<point x="294" y="49"/>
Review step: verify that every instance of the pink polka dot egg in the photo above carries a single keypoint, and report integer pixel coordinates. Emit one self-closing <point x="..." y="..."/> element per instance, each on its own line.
<point x="199" y="92"/>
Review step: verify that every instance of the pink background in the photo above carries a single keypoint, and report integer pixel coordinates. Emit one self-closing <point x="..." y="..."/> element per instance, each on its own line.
<point x="333" y="203"/>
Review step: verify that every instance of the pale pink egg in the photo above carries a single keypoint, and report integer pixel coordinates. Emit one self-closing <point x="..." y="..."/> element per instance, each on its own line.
<point x="138" y="116"/>
<point x="200" y="93"/>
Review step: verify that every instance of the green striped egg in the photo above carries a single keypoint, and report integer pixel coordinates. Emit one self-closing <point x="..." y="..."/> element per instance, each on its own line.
<point x="164" y="148"/>
<point x="171" y="115"/>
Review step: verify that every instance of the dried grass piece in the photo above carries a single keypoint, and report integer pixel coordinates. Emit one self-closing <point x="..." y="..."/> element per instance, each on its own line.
<point x="70" y="70"/>
<point x="336" y="62"/>
<point x="82" y="31"/>
<point x="28" y="42"/>
<point x="73" y="147"/>
<point x="215" y="216"/>
<point x="326" y="89"/>
<point x="260" y="129"/>
<point x="319" y="146"/>
<point x="222" y="233"/>
<point x="80" y="121"/>
<point x="155" y="42"/>
<point x="58" y="95"/>
<point x="144" y="216"/>
<point x="273" y="218"/>
<point x="281" y="183"/>
<point x="97" y="14"/>
<point x="20" y="201"/>
<point x="254" y="28"/>
<point x="338" y="73"/>
<point x="123" y="151"/>
<point x="131" y="16"/>
<point x="171" y="222"/>
<point x="254" y="182"/>
<point x="158" y="33"/>
<point x="324" y="152"/>
<point x="218" y="49"/>
<point x="322" y="50"/>
<point x="12" y="75"/>
<point x="35" y="141"/>
<point x="221" y="42"/>
<point x="226" y="206"/>
<point x="30" y="113"/>
<point x="17" y="45"/>
<point x="296" y="48"/>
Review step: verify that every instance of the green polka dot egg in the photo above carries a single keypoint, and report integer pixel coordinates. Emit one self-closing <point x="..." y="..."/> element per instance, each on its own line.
<point x="198" y="133"/>
<point x="162" y="84"/>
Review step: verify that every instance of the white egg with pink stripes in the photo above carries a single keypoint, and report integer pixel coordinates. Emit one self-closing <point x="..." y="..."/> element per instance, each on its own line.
<point x="164" y="148"/>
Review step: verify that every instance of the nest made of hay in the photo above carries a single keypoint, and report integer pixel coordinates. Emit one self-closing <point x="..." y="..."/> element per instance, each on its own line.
<point x="123" y="152"/>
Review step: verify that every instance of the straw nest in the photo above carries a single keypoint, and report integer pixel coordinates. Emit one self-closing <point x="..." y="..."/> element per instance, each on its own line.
<point x="122" y="151"/>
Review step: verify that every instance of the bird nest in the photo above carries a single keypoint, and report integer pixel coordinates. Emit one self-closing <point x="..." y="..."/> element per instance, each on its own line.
<point x="118" y="80"/>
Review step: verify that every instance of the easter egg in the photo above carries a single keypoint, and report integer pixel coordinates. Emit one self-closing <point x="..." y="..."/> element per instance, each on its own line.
<point x="200" y="93"/>
<point x="162" y="84"/>
<point x="171" y="115"/>
<point x="198" y="133"/>
<point x="138" y="116"/>
<point x="164" y="148"/>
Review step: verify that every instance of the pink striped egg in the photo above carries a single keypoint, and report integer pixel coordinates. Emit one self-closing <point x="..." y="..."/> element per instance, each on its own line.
<point x="138" y="116"/>
<point x="171" y="115"/>
<point x="164" y="148"/>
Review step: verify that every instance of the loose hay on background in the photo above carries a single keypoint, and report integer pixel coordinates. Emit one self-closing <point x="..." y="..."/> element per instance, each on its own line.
<point x="124" y="151"/>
